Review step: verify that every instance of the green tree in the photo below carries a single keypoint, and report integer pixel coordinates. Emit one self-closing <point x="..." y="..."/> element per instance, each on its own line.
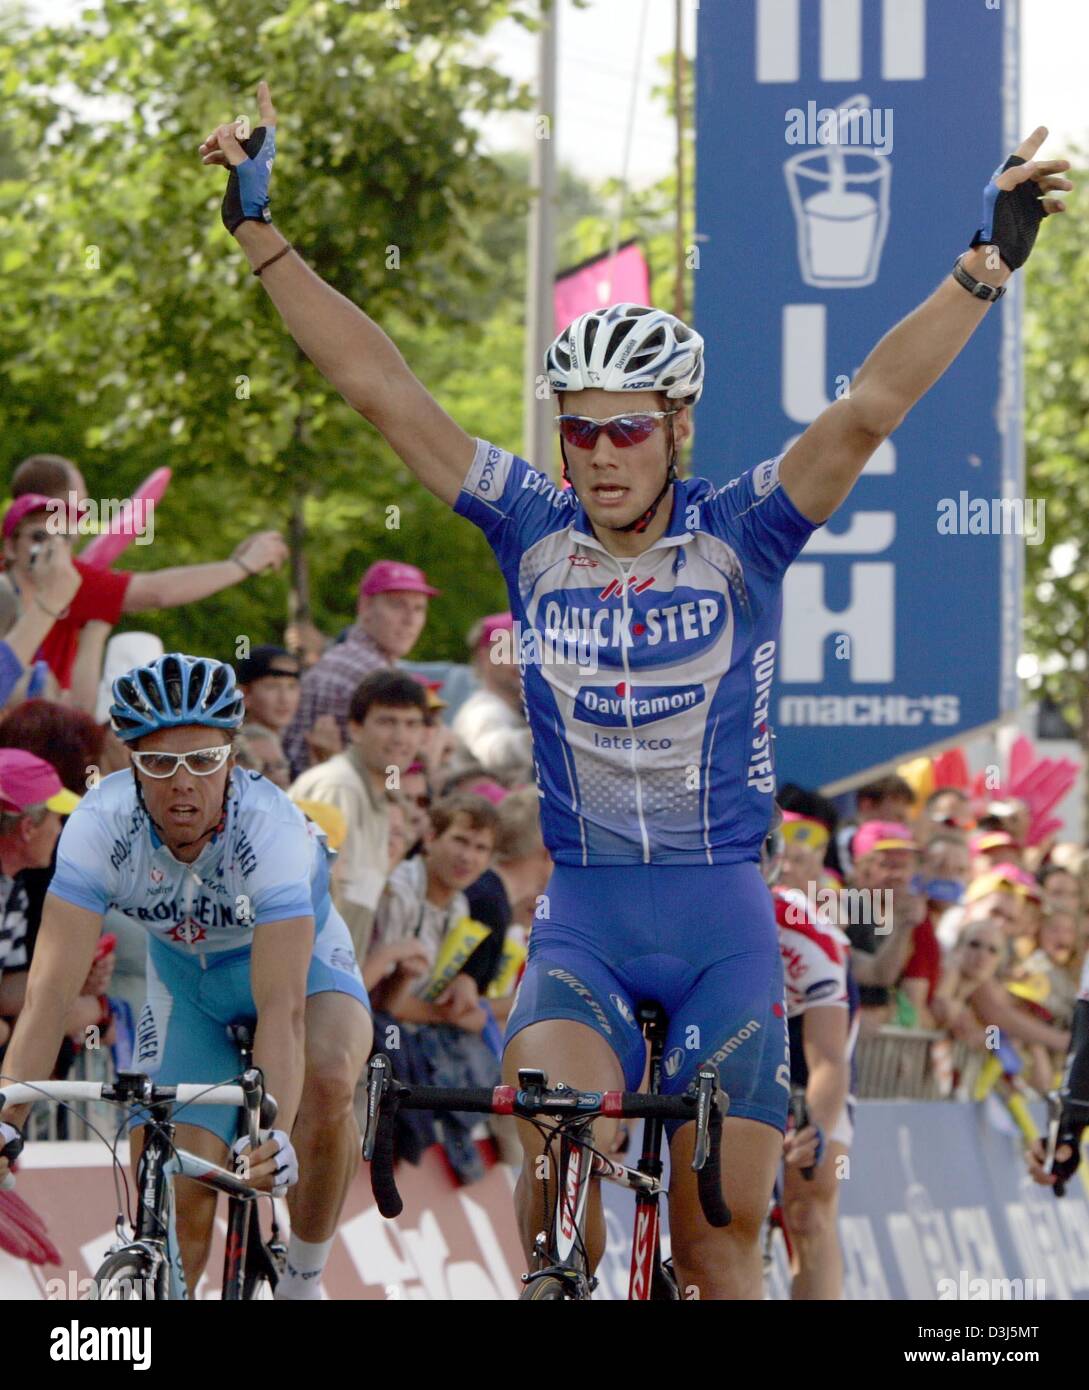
<point x="127" y="306"/>
<point x="1057" y="461"/>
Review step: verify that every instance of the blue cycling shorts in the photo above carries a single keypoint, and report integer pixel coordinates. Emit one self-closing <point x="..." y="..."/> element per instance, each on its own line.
<point x="701" y="941"/>
<point x="182" y="1031"/>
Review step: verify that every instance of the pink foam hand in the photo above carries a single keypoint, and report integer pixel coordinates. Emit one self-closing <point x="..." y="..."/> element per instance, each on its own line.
<point x="1022" y="757"/>
<point x="104" y="549"/>
<point x="1040" y="831"/>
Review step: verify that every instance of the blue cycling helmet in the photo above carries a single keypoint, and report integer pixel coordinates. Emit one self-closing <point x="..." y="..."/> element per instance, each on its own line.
<point x="172" y="691"/>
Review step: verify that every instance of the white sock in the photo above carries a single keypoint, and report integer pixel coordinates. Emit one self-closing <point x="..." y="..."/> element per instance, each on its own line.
<point x="302" y="1270"/>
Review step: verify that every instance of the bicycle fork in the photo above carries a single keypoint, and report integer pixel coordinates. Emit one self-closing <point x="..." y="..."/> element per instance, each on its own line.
<point x="648" y="1279"/>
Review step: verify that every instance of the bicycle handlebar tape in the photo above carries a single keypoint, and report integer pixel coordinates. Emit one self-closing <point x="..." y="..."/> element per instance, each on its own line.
<point x="383" y="1183"/>
<point x="709" y="1177"/>
<point x="632" y="1105"/>
<point x="471" y="1099"/>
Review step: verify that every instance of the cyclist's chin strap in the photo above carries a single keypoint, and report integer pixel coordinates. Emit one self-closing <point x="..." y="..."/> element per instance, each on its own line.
<point x="640" y="524"/>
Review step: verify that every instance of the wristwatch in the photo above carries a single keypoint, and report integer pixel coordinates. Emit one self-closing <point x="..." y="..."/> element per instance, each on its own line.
<point x="977" y="288"/>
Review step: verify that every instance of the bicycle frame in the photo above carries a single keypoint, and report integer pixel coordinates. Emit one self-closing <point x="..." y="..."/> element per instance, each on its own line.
<point x="648" y="1278"/>
<point x="154" y="1236"/>
<point x="155" y="1231"/>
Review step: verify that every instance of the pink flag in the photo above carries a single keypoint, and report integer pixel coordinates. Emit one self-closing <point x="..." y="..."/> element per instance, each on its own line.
<point x="620" y="279"/>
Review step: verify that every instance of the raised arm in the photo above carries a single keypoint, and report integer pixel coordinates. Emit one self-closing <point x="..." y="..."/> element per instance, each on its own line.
<point x="821" y="467"/>
<point x="348" y="348"/>
<point x="173" y="588"/>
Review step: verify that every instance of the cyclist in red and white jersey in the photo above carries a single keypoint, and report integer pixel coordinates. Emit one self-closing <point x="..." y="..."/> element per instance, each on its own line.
<point x="822" y="1014"/>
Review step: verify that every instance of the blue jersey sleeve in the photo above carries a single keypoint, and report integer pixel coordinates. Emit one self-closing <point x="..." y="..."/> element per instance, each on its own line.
<point x="276" y="876"/>
<point x="87" y="858"/>
<point x="754" y="513"/>
<point x="513" y="504"/>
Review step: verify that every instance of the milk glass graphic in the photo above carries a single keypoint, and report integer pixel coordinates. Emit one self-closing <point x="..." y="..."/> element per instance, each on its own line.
<point x="840" y="197"/>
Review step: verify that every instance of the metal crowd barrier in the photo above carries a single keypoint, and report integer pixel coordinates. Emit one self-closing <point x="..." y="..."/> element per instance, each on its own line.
<point x="914" y="1064"/>
<point x="58" y="1122"/>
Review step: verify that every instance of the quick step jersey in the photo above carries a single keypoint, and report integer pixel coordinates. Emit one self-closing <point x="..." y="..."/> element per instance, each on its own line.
<point x="647" y="684"/>
<point x="267" y="864"/>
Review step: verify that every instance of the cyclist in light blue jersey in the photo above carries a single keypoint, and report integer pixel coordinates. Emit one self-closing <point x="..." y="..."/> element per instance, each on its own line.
<point x="232" y="886"/>
<point x="647" y="610"/>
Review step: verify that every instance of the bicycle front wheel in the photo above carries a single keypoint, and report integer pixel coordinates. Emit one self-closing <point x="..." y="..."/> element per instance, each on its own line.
<point x="546" y="1289"/>
<point x="130" y="1276"/>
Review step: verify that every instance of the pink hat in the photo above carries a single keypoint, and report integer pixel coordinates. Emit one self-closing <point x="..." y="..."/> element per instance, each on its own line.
<point x="27" y="780"/>
<point x="489" y="790"/>
<point x="881" y="834"/>
<point x="23" y="506"/>
<point x="384" y="576"/>
<point x="493" y="623"/>
<point x="1027" y="883"/>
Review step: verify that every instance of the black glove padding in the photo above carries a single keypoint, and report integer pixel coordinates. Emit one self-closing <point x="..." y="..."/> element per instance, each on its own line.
<point x="1065" y="1168"/>
<point x="246" y="198"/>
<point x="1011" y="220"/>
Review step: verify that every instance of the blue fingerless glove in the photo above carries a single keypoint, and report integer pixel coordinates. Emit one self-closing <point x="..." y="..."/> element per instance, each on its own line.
<point x="1010" y="220"/>
<point x="246" y="198"/>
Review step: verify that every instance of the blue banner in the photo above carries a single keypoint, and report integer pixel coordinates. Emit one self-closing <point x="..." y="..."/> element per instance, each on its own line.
<point x="842" y="149"/>
<point x="935" y="1204"/>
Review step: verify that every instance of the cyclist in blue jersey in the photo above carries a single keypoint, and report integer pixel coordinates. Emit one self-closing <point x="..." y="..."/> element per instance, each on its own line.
<point x="232" y="886"/>
<point x="647" y="609"/>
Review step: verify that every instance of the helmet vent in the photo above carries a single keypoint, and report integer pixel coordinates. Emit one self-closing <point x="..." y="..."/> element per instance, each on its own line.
<point x="218" y="685"/>
<point x="151" y="696"/>
<point x="620" y="333"/>
<point x="197" y="676"/>
<point x="648" y="351"/>
<point x="589" y="336"/>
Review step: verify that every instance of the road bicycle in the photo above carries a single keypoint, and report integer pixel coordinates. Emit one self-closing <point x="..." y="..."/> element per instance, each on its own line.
<point x="563" y="1270"/>
<point x="146" y="1263"/>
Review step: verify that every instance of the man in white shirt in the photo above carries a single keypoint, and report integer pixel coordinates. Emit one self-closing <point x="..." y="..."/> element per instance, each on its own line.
<point x="386" y="724"/>
<point x="491" y="723"/>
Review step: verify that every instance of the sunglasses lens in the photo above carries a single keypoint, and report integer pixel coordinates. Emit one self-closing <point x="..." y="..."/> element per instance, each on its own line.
<point x="631" y="429"/>
<point x="582" y="434"/>
<point x="156" y="764"/>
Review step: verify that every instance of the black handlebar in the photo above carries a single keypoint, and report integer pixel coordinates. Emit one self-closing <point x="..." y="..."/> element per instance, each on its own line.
<point x="386" y="1095"/>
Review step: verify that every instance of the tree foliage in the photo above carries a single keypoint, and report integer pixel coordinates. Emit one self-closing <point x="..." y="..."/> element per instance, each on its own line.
<point x="136" y="336"/>
<point x="1057" y="460"/>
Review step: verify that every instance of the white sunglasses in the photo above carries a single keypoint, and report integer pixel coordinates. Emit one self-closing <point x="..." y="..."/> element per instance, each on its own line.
<point x="201" y="762"/>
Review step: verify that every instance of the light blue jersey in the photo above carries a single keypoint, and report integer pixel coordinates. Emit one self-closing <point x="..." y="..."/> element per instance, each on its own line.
<point x="647" y="683"/>
<point x="268" y="863"/>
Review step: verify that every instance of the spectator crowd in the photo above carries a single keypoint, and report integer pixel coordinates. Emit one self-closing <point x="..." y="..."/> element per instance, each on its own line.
<point x="955" y="923"/>
<point x="439" y="859"/>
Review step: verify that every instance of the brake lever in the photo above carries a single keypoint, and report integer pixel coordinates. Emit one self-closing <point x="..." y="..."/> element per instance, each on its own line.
<point x="252" y="1088"/>
<point x="706" y="1097"/>
<point x="379" y="1079"/>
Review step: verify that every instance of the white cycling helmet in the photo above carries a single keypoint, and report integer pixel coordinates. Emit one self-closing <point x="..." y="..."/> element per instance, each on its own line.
<point x="628" y="347"/>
